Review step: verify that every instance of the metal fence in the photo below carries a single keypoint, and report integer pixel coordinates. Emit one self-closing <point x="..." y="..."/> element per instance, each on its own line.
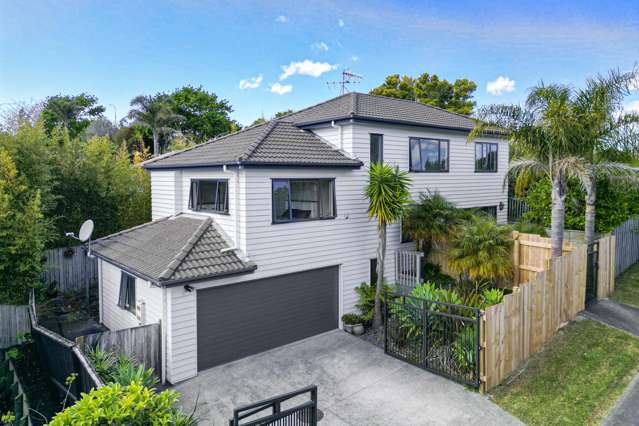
<point x="626" y="245"/>
<point x="516" y="209"/>
<point x="439" y="337"/>
<point x="69" y="268"/>
<point x="271" y="411"/>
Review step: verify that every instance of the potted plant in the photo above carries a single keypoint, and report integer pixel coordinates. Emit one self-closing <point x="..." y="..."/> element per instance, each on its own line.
<point x="353" y="324"/>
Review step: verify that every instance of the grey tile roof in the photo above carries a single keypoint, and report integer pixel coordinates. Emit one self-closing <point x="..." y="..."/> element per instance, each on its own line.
<point x="176" y="249"/>
<point x="372" y="107"/>
<point x="277" y="142"/>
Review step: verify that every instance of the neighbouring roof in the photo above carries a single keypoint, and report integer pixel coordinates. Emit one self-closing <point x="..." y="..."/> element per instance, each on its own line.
<point x="172" y="250"/>
<point x="381" y="108"/>
<point x="276" y="143"/>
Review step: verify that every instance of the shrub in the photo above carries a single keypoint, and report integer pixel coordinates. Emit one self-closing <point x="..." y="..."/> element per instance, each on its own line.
<point x="464" y="348"/>
<point x="352" y="319"/>
<point x="120" y="369"/>
<point x="433" y="272"/>
<point x="366" y="302"/>
<point x="134" y="405"/>
<point x="104" y="363"/>
<point x="492" y="296"/>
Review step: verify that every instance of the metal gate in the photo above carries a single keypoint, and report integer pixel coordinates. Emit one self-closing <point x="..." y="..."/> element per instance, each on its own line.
<point x="272" y="411"/>
<point x="592" y="269"/>
<point x="442" y="338"/>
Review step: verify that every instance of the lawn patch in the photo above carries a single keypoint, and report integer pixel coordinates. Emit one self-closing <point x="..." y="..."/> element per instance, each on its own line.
<point x="576" y="379"/>
<point x="627" y="287"/>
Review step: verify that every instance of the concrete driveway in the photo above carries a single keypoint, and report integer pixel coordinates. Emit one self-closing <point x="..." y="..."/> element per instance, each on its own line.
<point x="357" y="385"/>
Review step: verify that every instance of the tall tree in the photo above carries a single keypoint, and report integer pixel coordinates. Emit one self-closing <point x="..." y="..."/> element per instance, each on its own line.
<point x="204" y="115"/>
<point x="73" y="113"/>
<point x="431" y="90"/>
<point x="155" y="113"/>
<point x="606" y="128"/>
<point x="388" y="195"/>
<point x="545" y="133"/>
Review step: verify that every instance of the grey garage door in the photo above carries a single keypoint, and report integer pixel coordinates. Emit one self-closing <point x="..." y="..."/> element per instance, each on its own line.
<point x="238" y="320"/>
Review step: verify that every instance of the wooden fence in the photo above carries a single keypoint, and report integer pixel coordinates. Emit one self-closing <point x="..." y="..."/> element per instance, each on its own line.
<point x="69" y="268"/>
<point x="530" y="255"/>
<point x="626" y="245"/>
<point x="526" y="319"/>
<point x="14" y="322"/>
<point x="141" y="343"/>
<point x="606" y="254"/>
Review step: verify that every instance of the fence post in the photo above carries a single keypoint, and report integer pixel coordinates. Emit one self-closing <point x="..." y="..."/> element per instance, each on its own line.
<point x="516" y="258"/>
<point x="385" y="321"/>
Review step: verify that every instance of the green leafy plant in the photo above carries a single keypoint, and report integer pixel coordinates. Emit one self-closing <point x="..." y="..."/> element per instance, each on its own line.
<point x="433" y="272"/>
<point x="133" y="404"/>
<point x="7" y="418"/>
<point x="464" y="348"/>
<point x="104" y="363"/>
<point x="492" y="296"/>
<point x="13" y="353"/>
<point x="128" y="372"/>
<point x="366" y="300"/>
<point x="352" y="319"/>
<point x="68" y="382"/>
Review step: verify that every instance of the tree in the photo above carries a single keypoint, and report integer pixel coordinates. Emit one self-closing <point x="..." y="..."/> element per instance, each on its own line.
<point x="387" y="193"/>
<point x="482" y="250"/>
<point x="155" y="113"/>
<point x="203" y="114"/>
<point x="432" y="220"/>
<point x="429" y="89"/>
<point x="262" y="120"/>
<point x="73" y="113"/>
<point x="22" y="234"/>
<point x="19" y="113"/>
<point x="545" y="133"/>
<point x="606" y="127"/>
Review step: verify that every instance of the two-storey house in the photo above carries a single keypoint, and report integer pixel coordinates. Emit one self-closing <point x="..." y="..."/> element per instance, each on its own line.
<point x="259" y="237"/>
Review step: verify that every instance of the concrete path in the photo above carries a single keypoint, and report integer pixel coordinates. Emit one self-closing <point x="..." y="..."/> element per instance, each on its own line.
<point x="623" y="317"/>
<point x="357" y="385"/>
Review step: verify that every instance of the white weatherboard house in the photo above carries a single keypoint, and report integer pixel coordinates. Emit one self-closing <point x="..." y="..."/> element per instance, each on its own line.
<point x="259" y="237"/>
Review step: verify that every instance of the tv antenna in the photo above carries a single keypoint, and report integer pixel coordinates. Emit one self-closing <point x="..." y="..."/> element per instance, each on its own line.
<point x="84" y="235"/>
<point x="348" y="77"/>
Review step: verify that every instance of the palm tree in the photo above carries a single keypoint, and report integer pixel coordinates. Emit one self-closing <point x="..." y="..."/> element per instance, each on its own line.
<point x="606" y="129"/>
<point x="155" y="113"/>
<point x="387" y="193"/>
<point x="481" y="250"/>
<point x="431" y="221"/>
<point x="544" y="134"/>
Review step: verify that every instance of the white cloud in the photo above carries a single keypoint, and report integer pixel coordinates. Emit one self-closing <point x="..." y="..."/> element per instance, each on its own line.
<point x="280" y="89"/>
<point x="340" y="23"/>
<point x="306" y="67"/>
<point x="282" y="19"/>
<point x="632" y="107"/>
<point x="251" y="83"/>
<point x="500" y="86"/>
<point x="354" y="58"/>
<point x="320" y="45"/>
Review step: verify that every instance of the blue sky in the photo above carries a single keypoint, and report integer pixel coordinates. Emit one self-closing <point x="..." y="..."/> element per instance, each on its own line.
<point x="119" y="49"/>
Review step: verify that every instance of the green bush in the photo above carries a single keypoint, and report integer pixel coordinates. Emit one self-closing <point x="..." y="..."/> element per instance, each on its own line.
<point x="366" y="301"/>
<point x="464" y="348"/>
<point x="352" y="319"/>
<point x="492" y="296"/>
<point x="134" y="405"/>
<point x="120" y="369"/>
<point x="433" y="272"/>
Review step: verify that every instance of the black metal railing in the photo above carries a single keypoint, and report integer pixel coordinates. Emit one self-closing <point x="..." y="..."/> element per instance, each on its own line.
<point x="439" y="337"/>
<point x="516" y="209"/>
<point x="272" y="412"/>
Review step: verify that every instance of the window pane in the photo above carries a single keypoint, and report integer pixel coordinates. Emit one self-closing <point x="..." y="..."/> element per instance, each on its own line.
<point x="207" y="195"/>
<point x="430" y="155"/>
<point x="222" y="196"/>
<point x="281" y="210"/>
<point x="376" y="148"/>
<point x="327" y="207"/>
<point x="305" y="199"/>
<point x="443" y="155"/>
<point x="415" y="157"/>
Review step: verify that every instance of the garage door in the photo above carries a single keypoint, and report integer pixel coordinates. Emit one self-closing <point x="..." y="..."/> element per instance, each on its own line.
<point x="238" y="320"/>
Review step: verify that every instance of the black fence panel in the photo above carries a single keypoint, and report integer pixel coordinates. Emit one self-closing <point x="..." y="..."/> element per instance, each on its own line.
<point x="439" y="337"/>
<point x="592" y="269"/>
<point x="271" y="411"/>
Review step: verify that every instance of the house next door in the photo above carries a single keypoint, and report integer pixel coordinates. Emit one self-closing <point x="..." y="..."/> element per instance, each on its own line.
<point x="238" y="320"/>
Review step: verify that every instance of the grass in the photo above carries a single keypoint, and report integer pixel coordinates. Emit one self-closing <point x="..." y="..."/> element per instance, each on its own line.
<point x="576" y="379"/>
<point x="627" y="287"/>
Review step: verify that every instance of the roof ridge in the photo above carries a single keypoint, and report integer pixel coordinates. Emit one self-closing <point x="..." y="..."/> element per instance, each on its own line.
<point x="313" y="106"/>
<point x="124" y="231"/>
<point x="188" y="246"/>
<point x="417" y="102"/>
<point x="253" y="145"/>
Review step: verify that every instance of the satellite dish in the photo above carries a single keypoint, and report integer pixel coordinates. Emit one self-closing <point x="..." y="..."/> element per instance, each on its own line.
<point x="86" y="230"/>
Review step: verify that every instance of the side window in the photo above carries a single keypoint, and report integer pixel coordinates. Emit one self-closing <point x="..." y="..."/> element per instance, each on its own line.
<point x="377" y="148"/>
<point x="428" y="155"/>
<point x="126" y="298"/>
<point x="485" y="157"/>
<point x="296" y="200"/>
<point x="209" y="195"/>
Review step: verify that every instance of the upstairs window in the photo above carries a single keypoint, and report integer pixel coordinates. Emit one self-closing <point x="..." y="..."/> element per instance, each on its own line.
<point x="485" y="157"/>
<point x="126" y="298"/>
<point x="209" y="195"/>
<point x="377" y="148"/>
<point x="303" y="199"/>
<point x="428" y="155"/>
